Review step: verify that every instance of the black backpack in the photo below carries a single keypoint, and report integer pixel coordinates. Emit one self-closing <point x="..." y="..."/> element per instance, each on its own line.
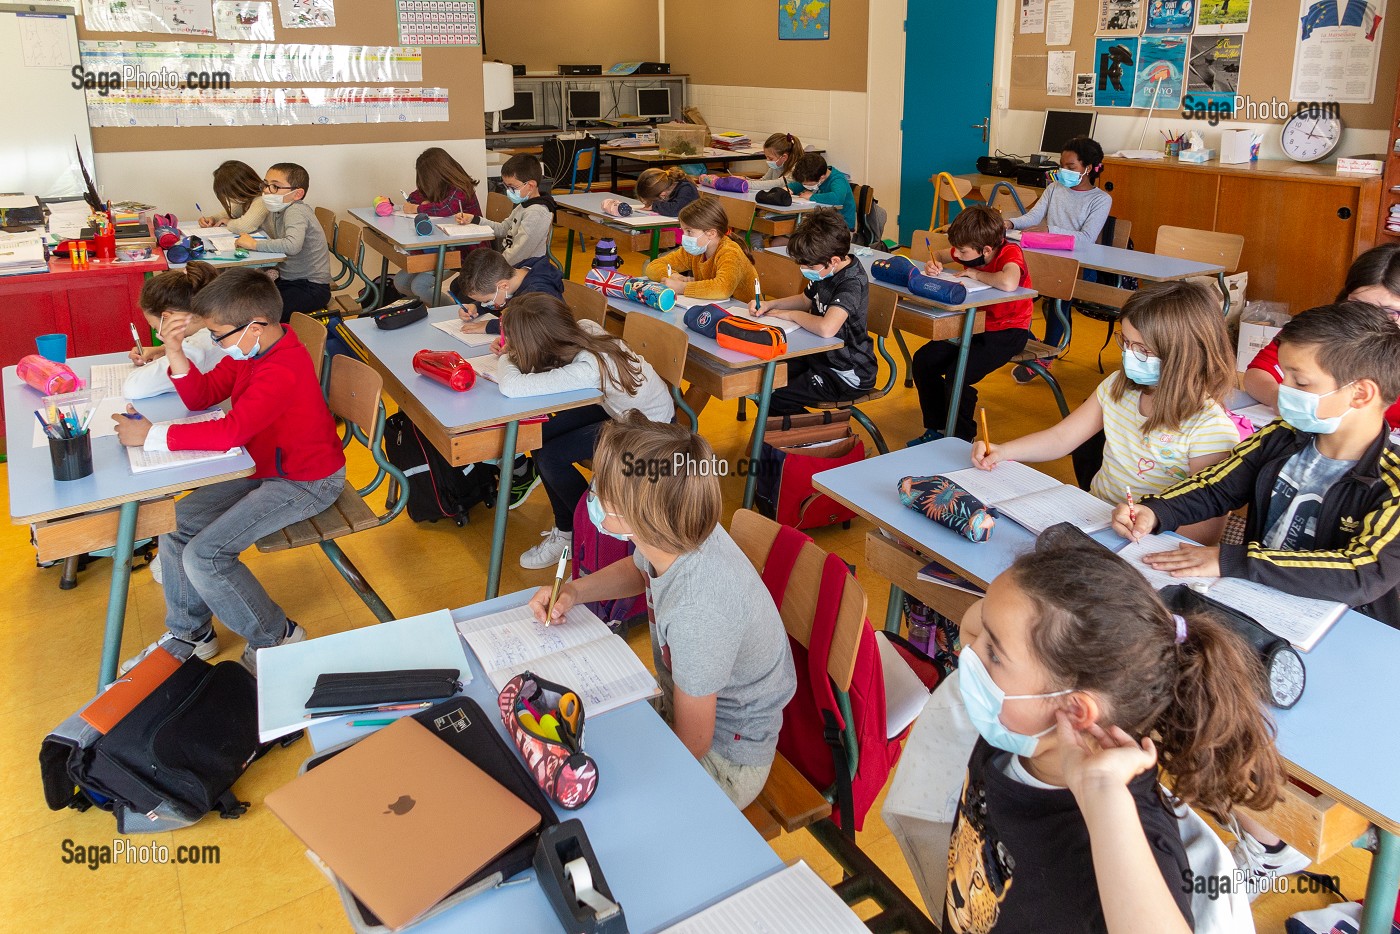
<point x="436" y="489"/>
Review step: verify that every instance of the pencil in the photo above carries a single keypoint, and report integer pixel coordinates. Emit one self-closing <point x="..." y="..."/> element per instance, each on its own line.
<point x="982" y="420"/>
<point x="1132" y="510"/>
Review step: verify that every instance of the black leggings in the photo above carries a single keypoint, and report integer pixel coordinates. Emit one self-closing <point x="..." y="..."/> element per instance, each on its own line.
<point x="568" y="438"/>
<point x="935" y="364"/>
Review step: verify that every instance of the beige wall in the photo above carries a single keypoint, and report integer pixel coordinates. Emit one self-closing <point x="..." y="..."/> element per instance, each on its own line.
<point x="543" y="34"/>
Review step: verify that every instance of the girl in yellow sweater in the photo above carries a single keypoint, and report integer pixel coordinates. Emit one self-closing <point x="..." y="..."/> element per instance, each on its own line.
<point x="712" y="262"/>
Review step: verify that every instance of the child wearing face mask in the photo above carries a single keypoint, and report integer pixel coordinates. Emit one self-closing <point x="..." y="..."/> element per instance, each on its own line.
<point x="163" y="296"/>
<point x="1077" y="676"/>
<point x="711" y="262"/>
<point x="304" y="277"/>
<point x="780" y="153"/>
<point x="444" y="189"/>
<point x="820" y="183"/>
<point x="525" y="232"/>
<point x="978" y="241"/>
<point x="487" y="282"/>
<point x="834" y="303"/>
<point x="1163" y="414"/>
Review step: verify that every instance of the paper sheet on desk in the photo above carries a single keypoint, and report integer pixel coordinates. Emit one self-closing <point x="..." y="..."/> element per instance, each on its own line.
<point x="453" y="327"/>
<point x="794" y="900"/>
<point x="1134" y="552"/>
<point x="142" y="460"/>
<point x="101" y="426"/>
<point x="1259" y="414"/>
<point x="466" y="230"/>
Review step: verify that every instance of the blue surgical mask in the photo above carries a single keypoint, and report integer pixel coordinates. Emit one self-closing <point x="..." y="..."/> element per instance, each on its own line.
<point x="598" y="515"/>
<point x="238" y="353"/>
<point x="812" y="275"/>
<point x="984" y="700"/>
<point x="1068" y="177"/>
<point x="775" y="165"/>
<point x="1143" y="372"/>
<point x="516" y="196"/>
<point x="1299" y="409"/>
<point x="692" y="245"/>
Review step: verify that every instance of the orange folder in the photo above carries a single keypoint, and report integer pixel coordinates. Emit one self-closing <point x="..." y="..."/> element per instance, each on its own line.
<point x="122" y="696"/>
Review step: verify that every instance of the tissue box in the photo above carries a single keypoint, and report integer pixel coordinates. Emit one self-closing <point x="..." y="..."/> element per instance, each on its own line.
<point x="1235" y="146"/>
<point x="1253" y="338"/>
<point x="1198" y="155"/>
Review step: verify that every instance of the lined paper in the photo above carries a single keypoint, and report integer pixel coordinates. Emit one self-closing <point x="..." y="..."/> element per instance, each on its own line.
<point x="794" y="900"/>
<point x="453" y="327"/>
<point x="1134" y="552"/>
<point x="1005" y="481"/>
<point x="143" y="460"/>
<point x="1300" y="620"/>
<point x="1038" y="511"/>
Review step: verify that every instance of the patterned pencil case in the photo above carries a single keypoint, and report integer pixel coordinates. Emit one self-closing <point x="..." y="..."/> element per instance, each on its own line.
<point x="949" y="505"/>
<point x="545" y="721"/>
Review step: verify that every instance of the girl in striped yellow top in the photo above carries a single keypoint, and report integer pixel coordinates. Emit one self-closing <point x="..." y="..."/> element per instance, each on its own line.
<point x="1163" y="414"/>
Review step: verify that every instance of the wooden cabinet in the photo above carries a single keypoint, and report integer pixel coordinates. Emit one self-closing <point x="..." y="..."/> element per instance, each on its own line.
<point x="1388" y="197"/>
<point x="1302" y="224"/>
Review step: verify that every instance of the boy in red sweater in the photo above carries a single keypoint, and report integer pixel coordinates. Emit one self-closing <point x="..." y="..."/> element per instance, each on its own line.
<point x="978" y="240"/>
<point x="279" y="414"/>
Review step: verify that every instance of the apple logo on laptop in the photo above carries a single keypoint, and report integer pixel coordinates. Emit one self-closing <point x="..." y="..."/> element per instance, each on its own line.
<point x="401" y="806"/>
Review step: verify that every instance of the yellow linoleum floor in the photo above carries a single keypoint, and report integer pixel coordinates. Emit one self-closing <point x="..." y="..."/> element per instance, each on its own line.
<point x="50" y="646"/>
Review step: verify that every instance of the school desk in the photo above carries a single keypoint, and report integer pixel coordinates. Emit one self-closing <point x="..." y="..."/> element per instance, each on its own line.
<point x="935" y="321"/>
<point x="466" y="427"/>
<point x="84" y="508"/>
<point x="256" y="259"/>
<point x="784" y="220"/>
<point x="93" y="306"/>
<point x="584" y="214"/>
<point x="650" y="157"/>
<point x="1148" y="267"/>
<point x="1339" y="738"/>
<point x="394" y="237"/>
<point x="728" y="374"/>
<point x="669" y="842"/>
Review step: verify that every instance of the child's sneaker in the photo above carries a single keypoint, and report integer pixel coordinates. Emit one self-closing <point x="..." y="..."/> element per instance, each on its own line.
<point x="546" y="553"/>
<point x="250" y="655"/>
<point x="1261" y="865"/>
<point x="932" y="434"/>
<point x="156" y="574"/>
<point x="1025" y="375"/>
<point x="205" y="648"/>
<point x="523" y="482"/>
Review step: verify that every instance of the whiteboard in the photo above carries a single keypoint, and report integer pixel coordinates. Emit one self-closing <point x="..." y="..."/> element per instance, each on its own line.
<point x="43" y="112"/>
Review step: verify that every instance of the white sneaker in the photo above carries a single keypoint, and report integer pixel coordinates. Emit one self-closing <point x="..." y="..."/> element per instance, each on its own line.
<point x="156" y="574"/>
<point x="205" y="650"/>
<point x="1260" y="867"/>
<point x="546" y="553"/>
<point x="249" y="658"/>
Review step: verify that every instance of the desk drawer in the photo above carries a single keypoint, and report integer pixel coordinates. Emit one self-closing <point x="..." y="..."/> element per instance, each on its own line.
<point x="57" y="539"/>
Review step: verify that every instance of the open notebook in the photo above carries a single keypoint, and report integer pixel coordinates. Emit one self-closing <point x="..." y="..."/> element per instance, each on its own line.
<point x="143" y="460"/>
<point x="1300" y="620"/>
<point x="581" y="653"/>
<point x="1033" y="499"/>
<point x="487" y="365"/>
<point x="466" y="230"/>
<point x="453" y="326"/>
<point x="794" y="900"/>
<point x="972" y="285"/>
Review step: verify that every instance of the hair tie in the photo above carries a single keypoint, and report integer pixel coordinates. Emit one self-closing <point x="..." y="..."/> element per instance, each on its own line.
<point x="1180" y="628"/>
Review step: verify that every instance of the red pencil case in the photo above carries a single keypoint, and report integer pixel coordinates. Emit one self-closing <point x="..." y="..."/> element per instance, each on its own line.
<point x="564" y="772"/>
<point x="1040" y="240"/>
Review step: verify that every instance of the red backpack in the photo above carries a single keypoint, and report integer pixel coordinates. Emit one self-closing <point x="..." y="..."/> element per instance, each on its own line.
<point x="813" y="725"/>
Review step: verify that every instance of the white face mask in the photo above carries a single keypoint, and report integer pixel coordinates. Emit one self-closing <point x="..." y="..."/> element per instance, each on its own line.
<point x="275" y="203"/>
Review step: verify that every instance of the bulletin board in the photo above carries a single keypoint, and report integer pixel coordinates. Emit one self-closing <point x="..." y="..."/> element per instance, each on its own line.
<point x="1266" y="74"/>
<point x="458" y="69"/>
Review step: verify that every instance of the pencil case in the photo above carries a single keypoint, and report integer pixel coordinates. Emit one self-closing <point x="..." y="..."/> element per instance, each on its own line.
<point x="900" y="270"/>
<point x="46" y="376"/>
<point x="400" y="314"/>
<point x="733" y="183"/>
<point x="362" y="688"/>
<point x="561" y="768"/>
<point x="1040" y="240"/>
<point x="949" y="505"/>
<point x="445" y="366"/>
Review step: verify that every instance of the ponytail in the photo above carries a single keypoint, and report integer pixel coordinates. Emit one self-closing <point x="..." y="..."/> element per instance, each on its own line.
<point x="706" y="213"/>
<point x="175" y="288"/>
<point x="785" y="144"/>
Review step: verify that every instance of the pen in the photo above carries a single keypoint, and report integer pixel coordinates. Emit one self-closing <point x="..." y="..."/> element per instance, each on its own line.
<point x="1132" y="510"/>
<point x="135" y="335"/>
<point x="47" y="429"/>
<point x="379" y="709"/>
<point x="134" y="416"/>
<point x="982" y="420"/>
<point x="757" y="294"/>
<point x="669" y="274"/>
<point x="198" y="208"/>
<point x="87" y="419"/>
<point x="373" y="722"/>
<point x="558" y="582"/>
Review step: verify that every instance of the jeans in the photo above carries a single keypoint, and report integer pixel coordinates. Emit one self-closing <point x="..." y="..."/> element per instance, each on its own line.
<point x="935" y="363"/>
<point x="203" y="575"/>
<point x="302" y="295"/>
<point x="419" y="285"/>
<point x="567" y="438"/>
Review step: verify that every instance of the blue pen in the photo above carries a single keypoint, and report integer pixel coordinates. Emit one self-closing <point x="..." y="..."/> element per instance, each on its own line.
<point x="198" y="208"/>
<point x="459" y="303"/>
<point x="134" y="416"/>
<point x="47" y="430"/>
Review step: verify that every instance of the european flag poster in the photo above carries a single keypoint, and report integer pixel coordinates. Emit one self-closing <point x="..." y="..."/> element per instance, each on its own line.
<point x="1161" y="69"/>
<point x="1115" y="66"/>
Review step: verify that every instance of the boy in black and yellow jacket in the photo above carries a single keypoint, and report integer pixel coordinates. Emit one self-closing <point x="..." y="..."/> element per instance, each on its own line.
<point x="1322" y="485"/>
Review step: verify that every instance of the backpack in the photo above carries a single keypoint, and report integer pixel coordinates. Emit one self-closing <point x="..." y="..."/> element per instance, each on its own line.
<point x="794" y="448"/>
<point x="558" y="156"/>
<point x="811" y="737"/>
<point x="594" y="550"/>
<point x="870" y="217"/>
<point x="436" y="489"/>
<point x="170" y="759"/>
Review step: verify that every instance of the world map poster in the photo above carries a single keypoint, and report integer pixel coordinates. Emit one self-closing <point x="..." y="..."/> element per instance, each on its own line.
<point x="804" y="19"/>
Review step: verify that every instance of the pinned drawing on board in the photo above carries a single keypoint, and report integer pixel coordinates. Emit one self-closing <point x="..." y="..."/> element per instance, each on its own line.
<point x="1170" y="17"/>
<point x="250" y="20"/>
<point x="305" y="14"/>
<point x="1213" y="72"/>
<point x="1115" y="70"/>
<point x="1161" y="66"/>
<point x="1215" y="16"/>
<point x="1119" y="18"/>
<point x="185" y="17"/>
<point x="804" y="19"/>
<point x="1084" y="90"/>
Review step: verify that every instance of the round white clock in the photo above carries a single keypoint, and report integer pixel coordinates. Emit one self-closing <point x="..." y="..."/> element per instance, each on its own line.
<point x="1308" y="138"/>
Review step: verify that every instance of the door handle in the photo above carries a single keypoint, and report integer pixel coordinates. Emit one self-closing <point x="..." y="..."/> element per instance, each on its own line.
<point x="984" y="126"/>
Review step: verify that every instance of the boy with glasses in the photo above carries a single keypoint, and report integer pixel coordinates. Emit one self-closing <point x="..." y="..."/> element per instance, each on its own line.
<point x="304" y="278"/>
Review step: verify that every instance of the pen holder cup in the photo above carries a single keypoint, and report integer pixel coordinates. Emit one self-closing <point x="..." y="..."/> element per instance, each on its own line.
<point x="564" y="772"/>
<point x="104" y="245"/>
<point x="72" y="457"/>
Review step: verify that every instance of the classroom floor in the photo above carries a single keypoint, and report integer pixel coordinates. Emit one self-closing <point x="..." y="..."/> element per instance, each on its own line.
<point x="263" y="881"/>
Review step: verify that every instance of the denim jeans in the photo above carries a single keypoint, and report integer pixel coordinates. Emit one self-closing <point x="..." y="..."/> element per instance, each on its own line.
<point x="213" y="526"/>
<point x="418" y="285"/>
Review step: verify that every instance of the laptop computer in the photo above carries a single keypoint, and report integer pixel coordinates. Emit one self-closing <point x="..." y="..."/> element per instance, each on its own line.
<point x="402" y="819"/>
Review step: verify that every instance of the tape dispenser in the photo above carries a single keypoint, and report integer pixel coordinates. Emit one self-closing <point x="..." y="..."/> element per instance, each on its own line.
<point x="572" y="880"/>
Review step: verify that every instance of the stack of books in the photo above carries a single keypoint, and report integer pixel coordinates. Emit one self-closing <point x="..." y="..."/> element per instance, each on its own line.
<point x="1392" y="222"/>
<point x="732" y="140"/>
<point x="22" y="254"/>
<point x="130" y="218"/>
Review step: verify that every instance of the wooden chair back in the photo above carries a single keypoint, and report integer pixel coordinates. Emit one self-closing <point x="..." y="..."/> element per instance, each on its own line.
<point x="740" y="214"/>
<point x="925" y="241"/>
<point x="879" y="311"/>
<point x="1053" y="276"/>
<point x="311" y="333"/>
<point x="1122" y="232"/>
<point x="353" y="393"/>
<point x="349" y="235"/>
<point x="661" y="344"/>
<point x="1004" y="203"/>
<point x="498" y="206"/>
<point x="1201" y="246"/>
<point x="779" y="275"/>
<point x="328" y="226"/>
<point x="755" y="535"/>
<point x="585" y="303"/>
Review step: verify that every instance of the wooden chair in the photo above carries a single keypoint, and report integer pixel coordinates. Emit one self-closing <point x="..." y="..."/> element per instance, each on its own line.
<point x="946" y="190"/>
<point x="353" y="394"/>
<point x="350" y="248"/>
<point x="582" y="171"/>
<point x="779" y="275"/>
<point x="1055" y="278"/>
<point x="344" y="276"/>
<point x="879" y="322"/>
<point x="924" y="243"/>
<point x="1203" y="246"/>
<point x="741" y="215"/>
<point x="312" y="334"/>
<point x="498" y="207"/>
<point x="585" y="303"/>
<point x="1011" y="200"/>
<point x="664" y="346"/>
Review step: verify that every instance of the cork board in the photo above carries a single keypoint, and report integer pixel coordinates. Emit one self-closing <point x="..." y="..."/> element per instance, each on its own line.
<point x="735" y="42"/>
<point x="1267" y="73"/>
<point x="544" y="34"/>
<point x="357" y="23"/>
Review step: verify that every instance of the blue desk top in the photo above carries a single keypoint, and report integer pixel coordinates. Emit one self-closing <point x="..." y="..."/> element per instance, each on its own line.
<point x="591" y="203"/>
<point x="35" y="495"/>
<point x="1148" y="266"/>
<point x="800" y="342"/>
<point x="798" y="206"/>
<point x="1343" y="736"/>
<point x="479" y="407"/>
<point x="398" y="228"/>
<point x="669" y="841"/>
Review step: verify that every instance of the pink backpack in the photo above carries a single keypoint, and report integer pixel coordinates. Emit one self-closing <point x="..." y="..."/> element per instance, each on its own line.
<point x="593" y="551"/>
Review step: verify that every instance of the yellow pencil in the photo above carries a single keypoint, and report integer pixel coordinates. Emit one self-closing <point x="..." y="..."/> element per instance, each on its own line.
<point x="982" y="419"/>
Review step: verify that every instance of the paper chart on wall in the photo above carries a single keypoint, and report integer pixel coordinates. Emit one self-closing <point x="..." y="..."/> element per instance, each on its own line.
<point x="1161" y="66"/>
<point x="1170" y="17"/>
<point x="1032" y="16"/>
<point x="43" y="39"/>
<point x="1059" y="22"/>
<point x="1084" y="90"/>
<point x="1213" y="71"/>
<point x="268" y="107"/>
<point x="303" y="14"/>
<point x="1059" y="74"/>
<point x="438" y="22"/>
<point x="1337" y="51"/>
<point x="187" y="17"/>
<point x="1214" y="16"/>
<point x="1115" y="69"/>
<point x="262" y="62"/>
<point x="243" y="19"/>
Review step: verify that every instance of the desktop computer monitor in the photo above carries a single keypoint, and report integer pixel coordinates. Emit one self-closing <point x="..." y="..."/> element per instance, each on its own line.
<point x="1061" y="126"/>
<point x="585" y="105"/>
<point x="522" y="111"/>
<point x="654" y="103"/>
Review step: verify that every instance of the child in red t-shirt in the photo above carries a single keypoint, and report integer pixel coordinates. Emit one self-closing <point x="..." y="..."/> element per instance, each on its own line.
<point x="978" y="240"/>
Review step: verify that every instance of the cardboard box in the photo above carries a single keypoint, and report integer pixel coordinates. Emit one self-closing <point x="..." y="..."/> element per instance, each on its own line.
<point x="1235" y="146"/>
<point x="1253" y="338"/>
